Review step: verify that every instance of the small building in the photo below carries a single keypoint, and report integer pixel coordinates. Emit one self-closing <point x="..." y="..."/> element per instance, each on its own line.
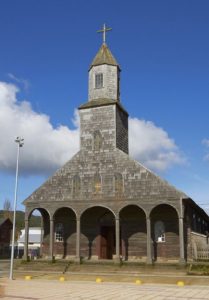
<point x="5" y="237"/>
<point x="34" y="242"/>
<point x="102" y="204"/>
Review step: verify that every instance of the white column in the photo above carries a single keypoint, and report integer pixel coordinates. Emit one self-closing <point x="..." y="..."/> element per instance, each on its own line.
<point x="149" y="250"/>
<point x="51" y="245"/>
<point x="117" y="238"/>
<point x="181" y="233"/>
<point x="181" y="240"/>
<point x="78" y="234"/>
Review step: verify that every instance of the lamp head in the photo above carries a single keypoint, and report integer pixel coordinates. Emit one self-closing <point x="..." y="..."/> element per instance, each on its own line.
<point x="20" y="141"/>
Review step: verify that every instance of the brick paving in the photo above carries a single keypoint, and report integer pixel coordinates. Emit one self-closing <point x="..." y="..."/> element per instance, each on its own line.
<point x="51" y="289"/>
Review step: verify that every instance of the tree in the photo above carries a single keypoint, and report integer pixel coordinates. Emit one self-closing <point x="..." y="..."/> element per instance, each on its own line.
<point x="7" y="209"/>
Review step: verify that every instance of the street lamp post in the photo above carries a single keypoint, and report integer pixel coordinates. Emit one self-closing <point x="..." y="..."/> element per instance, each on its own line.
<point x="20" y="143"/>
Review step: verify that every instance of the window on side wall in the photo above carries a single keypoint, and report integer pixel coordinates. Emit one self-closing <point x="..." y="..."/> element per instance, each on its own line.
<point x="159" y="232"/>
<point x="59" y="232"/>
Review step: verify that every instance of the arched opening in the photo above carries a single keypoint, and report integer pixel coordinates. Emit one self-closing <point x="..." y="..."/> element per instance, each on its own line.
<point x="64" y="233"/>
<point x="38" y="234"/>
<point x="133" y="233"/>
<point x="97" y="233"/>
<point x="165" y="233"/>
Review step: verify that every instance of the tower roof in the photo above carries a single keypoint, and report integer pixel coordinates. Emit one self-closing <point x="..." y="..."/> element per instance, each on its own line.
<point x="104" y="56"/>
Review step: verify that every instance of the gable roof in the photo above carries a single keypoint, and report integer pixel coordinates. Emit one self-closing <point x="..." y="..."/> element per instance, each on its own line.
<point x="146" y="183"/>
<point x="3" y="220"/>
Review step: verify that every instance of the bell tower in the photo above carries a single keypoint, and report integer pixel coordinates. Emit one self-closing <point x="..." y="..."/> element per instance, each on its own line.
<point x="103" y="120"/>
<point x="104" y="73"/>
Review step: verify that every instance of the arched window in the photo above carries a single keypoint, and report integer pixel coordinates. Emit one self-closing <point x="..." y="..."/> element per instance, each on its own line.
<point x="59" y="232"/>
<point x="97" y="183"/>
<point x="76" y="185"/>
<point x="159" y="231"/>
<point x="118" y="183"/>
<point x="97" y="140"/>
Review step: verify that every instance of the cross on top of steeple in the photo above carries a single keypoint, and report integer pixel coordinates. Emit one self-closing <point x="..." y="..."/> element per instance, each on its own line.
<point x="104" y="30"/>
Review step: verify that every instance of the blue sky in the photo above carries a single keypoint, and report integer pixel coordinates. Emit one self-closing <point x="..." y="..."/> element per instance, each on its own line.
<point x="163" y="50"/>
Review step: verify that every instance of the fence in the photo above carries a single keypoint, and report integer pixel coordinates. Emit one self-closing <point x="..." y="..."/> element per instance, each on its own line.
<point x="200" y="253"/>
<point x="200" y="246"/>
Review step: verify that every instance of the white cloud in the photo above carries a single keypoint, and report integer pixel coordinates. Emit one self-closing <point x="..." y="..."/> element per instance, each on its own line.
<point x="152" y="146"/>
<point x="205" y="142"/>
<point x="47" y="148"/>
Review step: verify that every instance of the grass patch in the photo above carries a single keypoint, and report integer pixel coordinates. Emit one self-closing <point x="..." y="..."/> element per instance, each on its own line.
<point x="199" y="269"/>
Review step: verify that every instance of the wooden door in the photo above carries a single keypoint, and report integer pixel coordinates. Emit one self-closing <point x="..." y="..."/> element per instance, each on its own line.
<point x="107" y="234"/>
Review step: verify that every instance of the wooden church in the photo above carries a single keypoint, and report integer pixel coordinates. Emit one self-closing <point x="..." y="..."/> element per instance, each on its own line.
<point x="104" y="205"/>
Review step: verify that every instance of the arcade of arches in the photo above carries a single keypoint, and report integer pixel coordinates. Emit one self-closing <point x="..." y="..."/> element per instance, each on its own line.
<point x="99" y="233"/>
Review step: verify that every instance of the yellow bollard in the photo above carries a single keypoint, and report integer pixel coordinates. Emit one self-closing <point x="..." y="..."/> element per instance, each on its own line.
<point x="138" y="281"/>
<point x="28" y="277"/>
<point x="98" y="280"/>
<point x="180" y="283"/>
<point x="62" y="279"/>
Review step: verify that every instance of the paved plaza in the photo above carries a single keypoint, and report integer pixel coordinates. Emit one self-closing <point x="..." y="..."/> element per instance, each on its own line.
<point x="45" y="289"/>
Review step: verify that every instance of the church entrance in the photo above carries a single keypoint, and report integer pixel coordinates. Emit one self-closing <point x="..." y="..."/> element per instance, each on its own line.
<point x="107" y="242"/>
<point x="97" y="233"/>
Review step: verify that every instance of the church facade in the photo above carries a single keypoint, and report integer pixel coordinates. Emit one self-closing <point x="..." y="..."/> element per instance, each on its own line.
<point x="102" y="204"/>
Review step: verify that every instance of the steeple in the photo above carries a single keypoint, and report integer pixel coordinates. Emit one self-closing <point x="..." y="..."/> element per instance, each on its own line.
<point x="103" y="120"/>
<point x="104" y="56"/>
<point x="104" y="74"/>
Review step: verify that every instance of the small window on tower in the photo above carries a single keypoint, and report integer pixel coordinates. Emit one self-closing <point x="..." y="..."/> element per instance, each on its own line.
<point x="99" y="81"/>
